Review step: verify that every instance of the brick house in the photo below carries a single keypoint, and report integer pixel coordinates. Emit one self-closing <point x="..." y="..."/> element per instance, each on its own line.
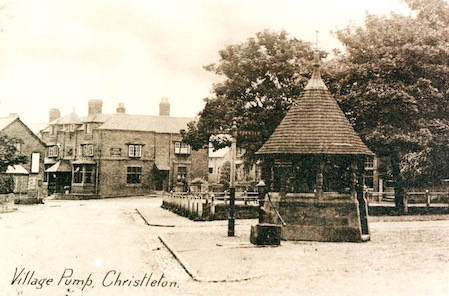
<point x="28" y="176"/>
<point x="108" y="155"/>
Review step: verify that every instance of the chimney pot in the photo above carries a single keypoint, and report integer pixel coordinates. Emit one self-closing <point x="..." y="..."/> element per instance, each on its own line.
<point x="54" y="114"/>
<point x="121" y="108"/>
<point x="164" y="107"/>
<point x="94" y="107"/>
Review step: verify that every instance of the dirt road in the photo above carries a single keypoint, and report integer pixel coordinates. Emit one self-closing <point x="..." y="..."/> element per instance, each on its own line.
<point x="104" y="247"/>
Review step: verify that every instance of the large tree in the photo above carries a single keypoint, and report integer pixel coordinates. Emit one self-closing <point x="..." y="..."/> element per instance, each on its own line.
<point x="9" y="155"/>
<point x="393" y="83"/>
<point x="262" y="77"/>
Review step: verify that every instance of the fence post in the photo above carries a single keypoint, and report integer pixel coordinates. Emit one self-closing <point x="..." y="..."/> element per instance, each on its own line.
<point x="212" y="204"/>
<point x="427" y="198"/>
<point x="405" y="203"/>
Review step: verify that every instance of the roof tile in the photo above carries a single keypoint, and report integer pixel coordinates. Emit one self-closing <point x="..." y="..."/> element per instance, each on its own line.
<point x="315" y="124"/>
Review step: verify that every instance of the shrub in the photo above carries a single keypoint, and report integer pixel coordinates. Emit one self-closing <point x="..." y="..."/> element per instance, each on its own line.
<point x="6" y="184"/>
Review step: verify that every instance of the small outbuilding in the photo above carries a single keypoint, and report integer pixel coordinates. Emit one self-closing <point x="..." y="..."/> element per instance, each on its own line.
<point x="313" y="165"/>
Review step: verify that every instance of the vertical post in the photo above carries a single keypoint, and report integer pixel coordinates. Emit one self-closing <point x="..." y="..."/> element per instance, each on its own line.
<point x="231" y="221"/>
<point x="319" y="180"/>
<point x="354" y="180"/>
<point x="427" y="198"/>
<point x="261" y="196"/>
<point x="363" y="206"/>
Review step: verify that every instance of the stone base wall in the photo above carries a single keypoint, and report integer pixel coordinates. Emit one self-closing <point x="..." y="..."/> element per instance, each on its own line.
<point x="335" y="218"/>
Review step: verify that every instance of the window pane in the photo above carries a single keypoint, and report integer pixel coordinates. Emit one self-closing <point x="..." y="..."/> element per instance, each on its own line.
<point x="134" y="175"/>
<point x="77" y="174"/>
<point x="89" y="174"/>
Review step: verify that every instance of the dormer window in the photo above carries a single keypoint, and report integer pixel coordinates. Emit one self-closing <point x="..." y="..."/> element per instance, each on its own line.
<point x="88" y="129"/>
<point x="53" y="129"/>
<point x="70" y="127"/>
<point x="135" y="150"/>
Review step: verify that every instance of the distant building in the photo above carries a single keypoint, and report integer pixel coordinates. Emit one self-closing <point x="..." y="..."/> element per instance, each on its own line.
<point x="219" y="157"/>
<point x="108" y="155"/>
<point x="28" y="177"/>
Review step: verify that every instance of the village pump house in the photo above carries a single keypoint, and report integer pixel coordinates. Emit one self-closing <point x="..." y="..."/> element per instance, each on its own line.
<point x="313" y="165"/>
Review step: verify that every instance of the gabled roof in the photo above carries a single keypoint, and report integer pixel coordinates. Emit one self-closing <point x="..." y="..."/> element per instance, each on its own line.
<point x="6" y="121"/>
<point x="146" y="123"/>
<point x="69" y="119"/>
<point x="315" y="124"/>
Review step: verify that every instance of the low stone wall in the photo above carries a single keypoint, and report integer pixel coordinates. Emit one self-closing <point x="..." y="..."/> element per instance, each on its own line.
<point x="241" y="212"/>
<point x="6" y="201"/>
<point x="75" y="196"/>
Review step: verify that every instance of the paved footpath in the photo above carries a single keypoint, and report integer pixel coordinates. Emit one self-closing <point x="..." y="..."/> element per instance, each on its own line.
<point x="404" y="257"/>
<point x="134" y="237"/>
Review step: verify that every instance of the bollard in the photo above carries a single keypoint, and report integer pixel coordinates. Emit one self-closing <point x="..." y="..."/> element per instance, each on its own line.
<point x="261" y="196"/>
<point x="231" y="220"/>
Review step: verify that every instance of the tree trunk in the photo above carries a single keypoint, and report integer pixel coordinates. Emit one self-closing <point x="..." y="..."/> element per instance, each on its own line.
<point x="399" y="188"/>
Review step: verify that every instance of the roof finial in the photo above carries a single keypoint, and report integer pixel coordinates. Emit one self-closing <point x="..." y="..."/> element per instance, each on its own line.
<point x="315" y="81"/>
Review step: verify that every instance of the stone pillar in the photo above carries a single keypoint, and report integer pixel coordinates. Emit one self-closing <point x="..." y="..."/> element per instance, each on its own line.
<point x="319" y="181"/>
<point x="354" y="180"/>
<point x="261" y="196"/>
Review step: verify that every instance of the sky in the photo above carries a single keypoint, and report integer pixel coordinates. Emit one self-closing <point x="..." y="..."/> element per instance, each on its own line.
<point x="61" y="54"/>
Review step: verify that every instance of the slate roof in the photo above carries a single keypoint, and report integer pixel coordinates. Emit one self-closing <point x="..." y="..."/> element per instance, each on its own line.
<point x="158" y="124"/>
<point x="128" y="122"/>
<point x="69" y="119"/>
<point x="315" y="124"/>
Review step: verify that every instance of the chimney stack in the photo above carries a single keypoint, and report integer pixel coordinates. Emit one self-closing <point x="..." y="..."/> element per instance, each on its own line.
<point x="54" y="114"/>
<point x="95" y="107"/>
<point x="164" y="107"/>
<point x="121" y="108"/>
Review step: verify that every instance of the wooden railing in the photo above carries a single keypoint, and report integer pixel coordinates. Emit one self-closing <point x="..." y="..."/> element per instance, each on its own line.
<point x="413" y="197"/>
<point x="201" y="205"/>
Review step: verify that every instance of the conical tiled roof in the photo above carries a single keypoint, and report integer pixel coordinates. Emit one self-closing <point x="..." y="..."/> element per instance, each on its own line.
<point x="315" y="124"/>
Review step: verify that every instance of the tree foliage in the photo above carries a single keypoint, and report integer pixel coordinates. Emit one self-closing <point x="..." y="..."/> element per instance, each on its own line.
<point x="225" y="174"/>
<point x="262" y="77"/>
<point x="6" y="184"/>
<point x="392" y="82"/>
<point x="8" y="153"/>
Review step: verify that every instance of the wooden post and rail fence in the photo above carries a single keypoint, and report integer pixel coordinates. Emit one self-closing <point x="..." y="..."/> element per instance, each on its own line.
<point x="215" y="205"/>
<point x="210" y="205"/>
